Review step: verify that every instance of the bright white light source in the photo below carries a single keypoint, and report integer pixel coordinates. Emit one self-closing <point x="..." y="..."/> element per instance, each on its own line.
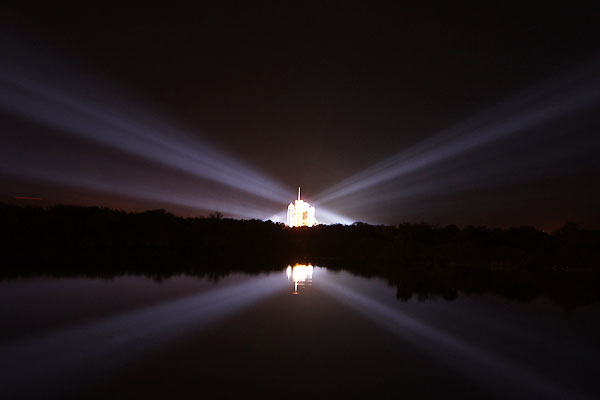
<point x="301" y="275"/>
<point x="301" y="213"/>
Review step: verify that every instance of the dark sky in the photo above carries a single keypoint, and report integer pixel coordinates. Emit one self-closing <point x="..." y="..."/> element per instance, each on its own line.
<point x="313" y="94"/>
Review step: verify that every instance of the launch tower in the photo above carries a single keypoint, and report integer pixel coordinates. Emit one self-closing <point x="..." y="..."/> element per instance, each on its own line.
<point x="301" y="213"/>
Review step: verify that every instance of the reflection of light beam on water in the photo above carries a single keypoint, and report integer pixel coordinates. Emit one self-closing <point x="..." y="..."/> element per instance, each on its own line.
<point x="82" y="350"/>
<point x="477" y="363"/>
<point x="300" y="274"/>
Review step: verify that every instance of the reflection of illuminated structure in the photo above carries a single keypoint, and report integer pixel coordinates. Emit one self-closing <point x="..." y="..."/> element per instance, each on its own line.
<point x="301" y="213"/>
<point x="301" y="275"/>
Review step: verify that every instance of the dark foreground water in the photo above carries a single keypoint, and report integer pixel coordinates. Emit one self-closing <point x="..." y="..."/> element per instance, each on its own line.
<point x="297" y="333"/>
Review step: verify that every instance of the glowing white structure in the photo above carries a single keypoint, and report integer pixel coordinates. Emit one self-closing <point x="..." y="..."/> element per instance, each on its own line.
<point x="301" y="213"/>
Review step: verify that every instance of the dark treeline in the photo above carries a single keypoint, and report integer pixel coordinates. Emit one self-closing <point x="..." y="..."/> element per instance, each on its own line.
<point x="420" y="260"/>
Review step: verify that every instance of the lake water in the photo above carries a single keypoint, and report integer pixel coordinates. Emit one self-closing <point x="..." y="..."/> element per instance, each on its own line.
<point x="300" y="332"/>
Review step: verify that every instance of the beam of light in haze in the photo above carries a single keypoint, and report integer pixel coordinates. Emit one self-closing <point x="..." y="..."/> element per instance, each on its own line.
<point x="489" y="369"/>
<point x="52" y="360"/>
<point x="573" y="91"/>
<point x="56" y="97"/>
<point x="234" y="207"/>
<point x="469" y="175"/>
<point x="44" y="96"/>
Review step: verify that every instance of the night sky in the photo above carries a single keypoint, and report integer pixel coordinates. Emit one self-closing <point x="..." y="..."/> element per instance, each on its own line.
<point x="314" y="95"/>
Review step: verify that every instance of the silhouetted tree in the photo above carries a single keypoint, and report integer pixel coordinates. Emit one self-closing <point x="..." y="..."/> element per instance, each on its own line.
<point x="421" y="260"/>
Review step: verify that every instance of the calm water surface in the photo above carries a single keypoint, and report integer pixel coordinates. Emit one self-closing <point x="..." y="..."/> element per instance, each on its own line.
<point x="302" y="331"/>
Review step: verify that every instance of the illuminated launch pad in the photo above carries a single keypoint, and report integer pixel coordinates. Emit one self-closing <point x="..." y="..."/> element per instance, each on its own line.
<point x="301" y="213"/>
